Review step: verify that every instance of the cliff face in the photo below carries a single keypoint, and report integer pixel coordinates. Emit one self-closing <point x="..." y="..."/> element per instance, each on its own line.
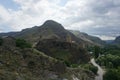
<point x="68" y="52"/>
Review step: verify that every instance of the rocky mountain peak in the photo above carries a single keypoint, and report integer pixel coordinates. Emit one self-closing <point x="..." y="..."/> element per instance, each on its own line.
<point x="52" y="25"/>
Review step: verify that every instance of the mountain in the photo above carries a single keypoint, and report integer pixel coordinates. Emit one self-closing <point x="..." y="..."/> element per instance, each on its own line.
<point x="49" y="30"/>
<point x="117" y="40"/>
<point x="18" y="63"/>
<point x="53" y="30"/>
<point x="88" y="38"/>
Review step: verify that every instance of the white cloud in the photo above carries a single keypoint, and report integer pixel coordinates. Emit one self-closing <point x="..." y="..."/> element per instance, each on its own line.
<point x="4" y="15"/>
<point x="103" y="37"/>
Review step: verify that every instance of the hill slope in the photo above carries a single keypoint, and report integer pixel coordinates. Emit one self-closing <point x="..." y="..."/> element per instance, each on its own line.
<point x="31" y="64"/>
<point x="88" y="38"/>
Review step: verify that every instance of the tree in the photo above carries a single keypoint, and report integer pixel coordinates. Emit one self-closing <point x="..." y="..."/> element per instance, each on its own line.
<point x="112" y="74"/>
<point x="96" y="51"/>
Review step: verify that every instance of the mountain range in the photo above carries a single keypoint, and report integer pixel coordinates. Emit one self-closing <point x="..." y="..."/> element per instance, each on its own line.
<point x="53" y="30"/>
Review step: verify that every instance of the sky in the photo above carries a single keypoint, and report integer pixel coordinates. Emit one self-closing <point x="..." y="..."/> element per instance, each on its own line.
<point x="96" y="17"/>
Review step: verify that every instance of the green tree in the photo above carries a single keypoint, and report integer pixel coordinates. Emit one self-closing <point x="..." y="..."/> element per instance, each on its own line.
<point x="22" y="43"/>
<point x="97" y="51"/>
<point x="112" y="74"/>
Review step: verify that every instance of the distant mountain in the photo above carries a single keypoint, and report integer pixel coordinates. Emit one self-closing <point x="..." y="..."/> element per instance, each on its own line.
<point x="117" y="40"/>
<point x="53" y="30"/>
<point x="88" y="38"/>
<point x="109" y="41"/>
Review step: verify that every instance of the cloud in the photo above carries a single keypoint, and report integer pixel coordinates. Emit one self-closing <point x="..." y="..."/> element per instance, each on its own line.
<point x="4" y="15"/>
<point x="86" y="15"/>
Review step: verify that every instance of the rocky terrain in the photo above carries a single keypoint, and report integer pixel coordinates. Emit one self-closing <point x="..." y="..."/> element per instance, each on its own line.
<point x="18" y="63"/>
<point x="46" y="52"/>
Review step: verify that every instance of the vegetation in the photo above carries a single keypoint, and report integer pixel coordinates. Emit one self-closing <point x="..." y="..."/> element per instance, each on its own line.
<point x="109" y="61"/>
<point x="97" y="51"/>
<point x="110" y="58"/>
<point x="22" y="43"/>
<point x="112" y="74"/>
<point x="90" y="67"/>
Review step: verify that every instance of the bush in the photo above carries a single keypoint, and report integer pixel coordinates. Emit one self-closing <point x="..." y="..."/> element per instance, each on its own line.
<point x="22" y="43"/>
<point x="74" y="65"/>
<point x="91" y="68"/>
<point x="112" y="74"/>
<point x="67" y="63"/>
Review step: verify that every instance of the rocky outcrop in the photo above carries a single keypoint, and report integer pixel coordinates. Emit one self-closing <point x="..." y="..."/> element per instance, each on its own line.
<point x="65" y="51"/>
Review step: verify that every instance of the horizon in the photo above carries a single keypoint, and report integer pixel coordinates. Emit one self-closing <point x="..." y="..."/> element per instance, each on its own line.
<point x="102" y="21"/>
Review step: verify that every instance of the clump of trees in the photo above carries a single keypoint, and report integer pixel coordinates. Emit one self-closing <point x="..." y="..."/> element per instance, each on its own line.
<point x="112" y="74"/>
<point x="96" y="51"/>
<point x="22" y="43"/>
<point x="111" y="60"/>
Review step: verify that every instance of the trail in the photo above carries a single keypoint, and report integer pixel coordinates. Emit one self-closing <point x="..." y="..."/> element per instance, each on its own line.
<point x="100" y="70"/>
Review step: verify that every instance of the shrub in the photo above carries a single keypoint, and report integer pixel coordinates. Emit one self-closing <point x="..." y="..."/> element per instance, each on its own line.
<point x="67" y="63"/>
<point x="112" y="74"/>
<point x="22" y="43"/>
<point x="91" y="68"/>
<point x="74" y="65"/>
